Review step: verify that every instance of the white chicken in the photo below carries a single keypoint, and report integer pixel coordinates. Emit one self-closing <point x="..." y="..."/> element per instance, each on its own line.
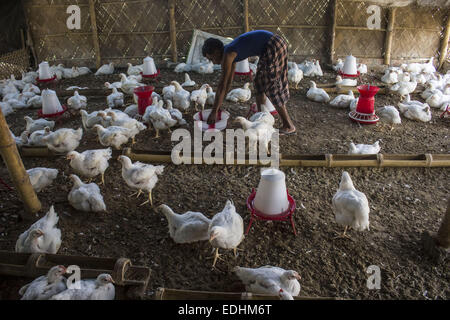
<point x="115" y="99"/>
<point x="6" y="108"/>
<point x="29" y="87"/>
<point x="35" y="139"/>
<point x="21" y="140"/>
<point x="389" y="114"/>
<point x="132" y="110"/>
<point x="269" y="280"/>
<point x="85" y="196"/>
<point x="77" y="102"/>
<point x="438" y="100"/>
<point x="295" y="75"/>
<point x="354" y="104"/>
<point x="390" y="77"/>
<point x="362" y="68"/>
<point x="180" y="97"/>
<point x="134" y="70"/>
<point x="364" y="148"/>
<point x="257" y="132"/>
<point x="140" y="176"/>
<point x="240" y="94"/>
<point x="345" y="82"/>
<point x="429" y="67"/>
<point x="35" y="102"/>
<point x="134" y="125"/>
<point x="175" y="113"/>
<point x="199" y="96"/>
<point x="211" y="96"/>
<point x="350" y="206"/>
<point x="343" y="100"/>
<point x="182" y="67"/>
<point x="63" y="140"/>
<point x="101" y="288"/>
<point x="168" y="92"/>
<point x="38" y="124"/>
<point x="116" y="85"/>
<point x="226" y="230"/>
<point x="339" y="65"/>
<point x="403" y="88"/>
<point x="254" y="66"/>
<point x="41" y="236"/>
<point x="105" y="69"/>
<point x="112" y="136"/>
<point x="90" y="163"/>
<point x="41" y="177"/>
<point x="128" y="85"/>
<point x="90" y="119"/>
<point x="263" y="116"/>
<point x="317" y="94"/>
<point x="187" y="227"/>
<point x="44" y="287"/>
<point x="416" y="112"/>
<point x="187" y="81"/>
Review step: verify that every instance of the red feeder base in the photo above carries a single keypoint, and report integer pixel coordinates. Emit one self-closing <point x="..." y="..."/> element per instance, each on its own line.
<point x="150" y="76"/>
<point x="57" y="115"/>
<point x="284" y="216"/>
<point x="363" y="118"/>
<point x="245" y="74"/>
<point x="46" y="80"/>
<point x="344" y="75"/>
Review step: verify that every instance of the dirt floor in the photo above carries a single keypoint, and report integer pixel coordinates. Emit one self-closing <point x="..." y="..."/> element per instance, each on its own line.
<point x="404" y="203"/>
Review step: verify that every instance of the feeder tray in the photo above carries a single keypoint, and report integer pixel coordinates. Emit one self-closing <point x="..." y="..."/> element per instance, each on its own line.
<point x="243" y="74"/>
<point x="131" y="281"/>
<point x="344" y="75"/>
<point x="57" y="115"/>
<point x="46" y="80"/>
<point x="150" y="76"/>
<point x="363" y="118"/>
<point x="257" y="215"/>
<point x="220" y="124"/>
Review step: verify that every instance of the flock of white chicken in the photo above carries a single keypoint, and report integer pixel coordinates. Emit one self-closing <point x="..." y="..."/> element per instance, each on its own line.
<point x="114" y="128"/>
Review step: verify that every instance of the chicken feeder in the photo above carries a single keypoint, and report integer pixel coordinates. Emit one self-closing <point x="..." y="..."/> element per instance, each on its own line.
<point x="150" y="70"/>
<point x="271" y="201"/>
<point x="45" y="74"/>
<point x="243" y="69"/>
<point x="365" y="109"/>
<point x="51" y="107"/>
<point x="350" y="69"/>
<point x="144" y="94"/>
<point x="201" y="117"/>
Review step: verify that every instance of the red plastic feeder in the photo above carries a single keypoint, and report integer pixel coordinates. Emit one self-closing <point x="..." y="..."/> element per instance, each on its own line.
<point x="365" y="110"/>
<point x="46" y="80"/>
<point x="244" y="74"/>
<point x="284" y="216"/>
<point x="144" y="94"/>
<point x="150" y="76"/>
<point x="56" y="115"/>
<point x="348" y="76"/>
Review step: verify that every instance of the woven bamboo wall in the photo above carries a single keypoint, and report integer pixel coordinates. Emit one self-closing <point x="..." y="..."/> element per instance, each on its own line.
<point x="130" y="30"/>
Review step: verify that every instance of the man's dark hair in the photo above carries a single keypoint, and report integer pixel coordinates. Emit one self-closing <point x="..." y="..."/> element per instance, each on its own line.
<point x="212" y="45"/>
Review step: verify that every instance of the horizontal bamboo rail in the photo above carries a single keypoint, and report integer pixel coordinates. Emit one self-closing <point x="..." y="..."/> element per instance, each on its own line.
<point x="177" y="294"/>
<point x="303" y="160"/>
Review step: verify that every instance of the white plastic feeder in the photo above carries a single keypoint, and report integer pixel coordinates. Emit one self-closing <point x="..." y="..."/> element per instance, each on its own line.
<point x="242" y="67"/>
<point x="268" y="106"/>
<point x="271" y="196"/>
<point x="149" y="67"/>
<point x="44" y="71"/>
<point x="50" y="102"/>
<point x="201" y="117"/>
<point x="350" y="68"/>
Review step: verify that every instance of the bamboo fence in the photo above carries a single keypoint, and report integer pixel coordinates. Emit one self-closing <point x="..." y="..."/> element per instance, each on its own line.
<point x="127" y="31"/>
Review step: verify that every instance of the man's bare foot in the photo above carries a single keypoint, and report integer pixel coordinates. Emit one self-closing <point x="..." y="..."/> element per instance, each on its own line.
<point x="287" y="131"/>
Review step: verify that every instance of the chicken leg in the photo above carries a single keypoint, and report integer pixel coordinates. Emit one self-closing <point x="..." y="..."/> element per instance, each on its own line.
<point x="216" y="256"/>
<point x="149" y="200"/>
<point x="137" y="192"/>
<point x="157" y="133"/>
<point x="343" y="236"/>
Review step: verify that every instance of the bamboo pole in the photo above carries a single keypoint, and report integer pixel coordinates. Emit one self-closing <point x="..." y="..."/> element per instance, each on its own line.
<point x="94" y="33"/>
<point x="17" y="171"/>
<point x="333" y="30"/>
<point x="443" y="235"/>
<point x="177" y="294"/>
<point x="444" y="44"/>
<point x="389" y="36"/>
<point x="246" y="25"/>
<point x="173" y="31"/>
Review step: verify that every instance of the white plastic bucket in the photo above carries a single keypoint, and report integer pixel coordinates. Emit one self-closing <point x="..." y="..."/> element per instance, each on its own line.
<point x="149" y="67"/>
<point x="44" y="71"/>
<point x="50" y="102"/>
<point x="350" y="65"/>
<point x="271" y="195"/>
<point x="242" y="67"/>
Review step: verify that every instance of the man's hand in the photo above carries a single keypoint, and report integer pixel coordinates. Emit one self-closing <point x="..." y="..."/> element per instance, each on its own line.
<point x="212" y="117"/>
